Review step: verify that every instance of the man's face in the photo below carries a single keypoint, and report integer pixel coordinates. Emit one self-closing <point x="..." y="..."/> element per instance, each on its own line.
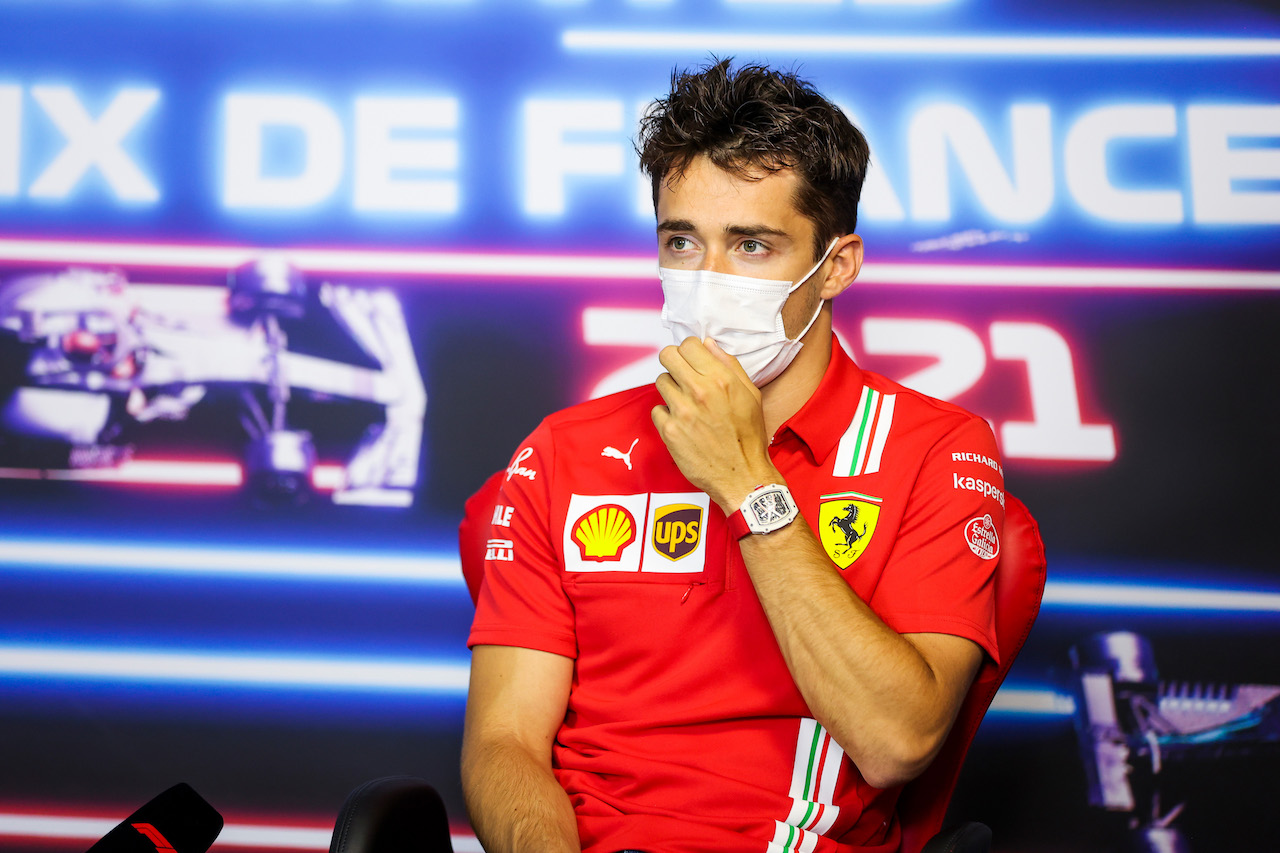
<point x="711" y="219"/>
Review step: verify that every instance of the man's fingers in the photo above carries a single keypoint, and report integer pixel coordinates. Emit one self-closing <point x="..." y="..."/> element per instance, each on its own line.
<point x="660" y="415"/>
<point x="727" y="360"/>
<point x="682" y="350"/>
<point x="694" y="358"/>
<point x="688" y="358"/>
<point x="690" y="365"/>
<point x="733" y="366"/>
<point x="672" y="358"/>
<point x="667" y="387"/>
<point x="695" y="352"/>
<point x="673" y="394"/>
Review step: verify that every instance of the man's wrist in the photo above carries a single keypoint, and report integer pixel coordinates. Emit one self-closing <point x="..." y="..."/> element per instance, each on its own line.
<point x="730" y="497"/>
<point x="766" y="510"/>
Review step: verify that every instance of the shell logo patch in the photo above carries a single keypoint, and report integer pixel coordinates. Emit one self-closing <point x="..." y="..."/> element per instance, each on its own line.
<point x="982" y="538"/>
<point x="677" y="529"/>
<point x="846" y="523"/>
<point x="604" y="532"/>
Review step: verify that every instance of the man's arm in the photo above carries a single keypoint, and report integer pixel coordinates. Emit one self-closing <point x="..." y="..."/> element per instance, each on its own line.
<point x="515" y="706"/>
<point x="888" y="699"/>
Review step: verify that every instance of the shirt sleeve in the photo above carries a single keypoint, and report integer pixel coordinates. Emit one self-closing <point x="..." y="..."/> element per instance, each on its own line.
<point x="940" y="577"/>
<point x="522" y="601"/>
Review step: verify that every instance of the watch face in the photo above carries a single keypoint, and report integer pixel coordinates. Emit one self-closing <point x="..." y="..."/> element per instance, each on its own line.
<point x="769" y="507"/>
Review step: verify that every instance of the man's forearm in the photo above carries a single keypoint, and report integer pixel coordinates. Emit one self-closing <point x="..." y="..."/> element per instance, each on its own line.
<point x="869" y="686"/>
<point x="514" y="801"/>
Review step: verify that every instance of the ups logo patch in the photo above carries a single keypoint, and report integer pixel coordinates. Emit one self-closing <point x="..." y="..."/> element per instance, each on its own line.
<point x="677" y="528"/>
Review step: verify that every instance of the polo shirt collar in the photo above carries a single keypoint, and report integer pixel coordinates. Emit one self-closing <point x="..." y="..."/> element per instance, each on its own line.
<point x="821" y="422"/>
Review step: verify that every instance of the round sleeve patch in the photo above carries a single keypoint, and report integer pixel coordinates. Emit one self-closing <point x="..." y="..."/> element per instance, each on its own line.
<point x="981" y="537"/>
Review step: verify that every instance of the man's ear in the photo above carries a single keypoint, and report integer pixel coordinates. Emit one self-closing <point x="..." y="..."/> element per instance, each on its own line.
<point x="846" y="262"/>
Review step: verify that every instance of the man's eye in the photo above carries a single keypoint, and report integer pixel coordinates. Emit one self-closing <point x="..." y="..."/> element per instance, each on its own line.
<point x="751" y="247"/>
<point x="679" y="244"/>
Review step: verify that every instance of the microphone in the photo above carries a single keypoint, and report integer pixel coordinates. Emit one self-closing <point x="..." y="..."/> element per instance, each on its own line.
<point x="176" y="821"/>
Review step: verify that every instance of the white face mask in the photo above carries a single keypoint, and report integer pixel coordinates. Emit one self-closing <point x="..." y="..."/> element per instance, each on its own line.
<point x="741" y="314"/>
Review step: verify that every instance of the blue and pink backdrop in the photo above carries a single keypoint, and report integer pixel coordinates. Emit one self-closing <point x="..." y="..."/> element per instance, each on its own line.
<point x="228" y="500"/>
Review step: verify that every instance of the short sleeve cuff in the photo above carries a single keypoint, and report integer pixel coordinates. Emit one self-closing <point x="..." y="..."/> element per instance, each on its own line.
<point x="933" y="623"/>
<point x="557" y="643"/>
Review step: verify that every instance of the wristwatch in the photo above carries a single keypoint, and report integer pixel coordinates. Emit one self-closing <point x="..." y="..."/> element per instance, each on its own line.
<point x="765" y="510"/>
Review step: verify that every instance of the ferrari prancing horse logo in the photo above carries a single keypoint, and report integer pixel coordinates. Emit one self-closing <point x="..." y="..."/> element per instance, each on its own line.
<point x="846" y="523"/>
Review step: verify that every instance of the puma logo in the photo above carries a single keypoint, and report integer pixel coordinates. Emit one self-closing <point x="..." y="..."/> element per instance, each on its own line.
<point x="615" y="453"/>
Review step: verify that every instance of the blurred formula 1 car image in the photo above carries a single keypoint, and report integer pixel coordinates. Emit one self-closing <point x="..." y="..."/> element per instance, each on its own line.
<point x="1132" y="727"/>
<point x="90" y="364"/>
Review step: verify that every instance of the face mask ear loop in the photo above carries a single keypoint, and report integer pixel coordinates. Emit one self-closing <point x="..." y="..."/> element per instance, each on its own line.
<point x="821" y="302"/>
<point x="822" y="260"/>
<point x="812" y="320"/>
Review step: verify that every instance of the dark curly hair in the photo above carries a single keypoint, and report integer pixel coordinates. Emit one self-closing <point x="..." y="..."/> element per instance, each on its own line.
<point x="755" y="119"/>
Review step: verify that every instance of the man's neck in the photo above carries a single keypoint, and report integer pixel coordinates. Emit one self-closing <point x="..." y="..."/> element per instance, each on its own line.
<point x="784" y="396"/>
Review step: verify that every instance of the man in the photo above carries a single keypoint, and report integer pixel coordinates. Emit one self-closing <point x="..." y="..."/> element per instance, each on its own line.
<point x="669" y="658"/>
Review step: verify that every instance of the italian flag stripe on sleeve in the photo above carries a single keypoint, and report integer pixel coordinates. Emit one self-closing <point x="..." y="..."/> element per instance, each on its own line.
<point x="788" y="839"/>
<point x="813" y="784"/>
<point x="863" y="441"/>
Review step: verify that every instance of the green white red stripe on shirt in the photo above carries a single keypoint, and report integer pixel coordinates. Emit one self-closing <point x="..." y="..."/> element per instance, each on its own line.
<point x="857" y="496"/>
<point x="862" y="444"/>
<point x="813" y="784"/>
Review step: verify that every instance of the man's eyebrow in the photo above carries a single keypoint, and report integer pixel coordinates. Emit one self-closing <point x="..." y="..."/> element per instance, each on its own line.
<point x="755" y="231"/>
<point x="736" y="230"/>
<point x="675" y="225"/>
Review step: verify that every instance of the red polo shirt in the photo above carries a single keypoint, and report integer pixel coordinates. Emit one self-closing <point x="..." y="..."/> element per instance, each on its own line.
<point x="684" y="730"/>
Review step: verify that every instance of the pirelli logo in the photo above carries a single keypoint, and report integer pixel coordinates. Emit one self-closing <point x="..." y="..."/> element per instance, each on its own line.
<point x="677" y="529"/>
